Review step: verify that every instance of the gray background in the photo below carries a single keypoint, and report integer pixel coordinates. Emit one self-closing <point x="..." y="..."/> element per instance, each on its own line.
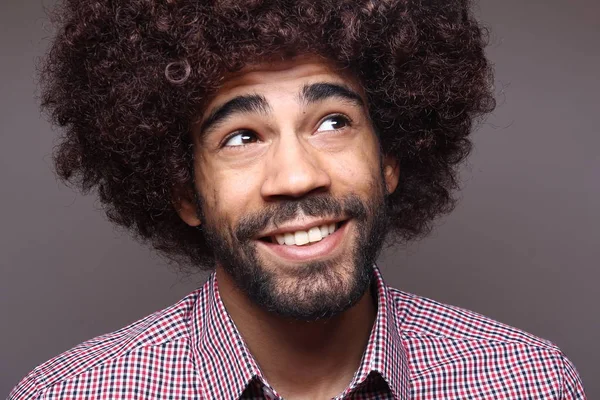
<point x="522" y="247"/>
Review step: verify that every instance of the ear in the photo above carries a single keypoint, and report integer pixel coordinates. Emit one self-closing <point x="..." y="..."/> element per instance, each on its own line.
<point x="186" y="207"/>
<point x="391" y="173"/>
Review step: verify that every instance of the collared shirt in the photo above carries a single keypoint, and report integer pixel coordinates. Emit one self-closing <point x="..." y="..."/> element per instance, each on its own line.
<point x="418" y="349"/>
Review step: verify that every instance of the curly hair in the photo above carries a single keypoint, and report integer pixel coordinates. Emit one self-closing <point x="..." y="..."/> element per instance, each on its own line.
<point x="127" y="78"/>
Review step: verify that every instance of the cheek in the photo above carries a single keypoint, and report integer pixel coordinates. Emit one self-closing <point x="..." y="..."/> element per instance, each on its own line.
<point x="356" y="170"/>
<point x="228" y="193"/>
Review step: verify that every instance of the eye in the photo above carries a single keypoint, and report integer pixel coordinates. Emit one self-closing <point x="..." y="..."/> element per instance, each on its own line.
<point x="333" y="123"/>
<point x="240" y="139"/>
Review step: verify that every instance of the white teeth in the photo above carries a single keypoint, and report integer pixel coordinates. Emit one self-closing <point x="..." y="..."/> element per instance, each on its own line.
<point x="324" y="230"/>
<point x="314" y="234"/>
<point x="331" y="228"/>
<point x="300" y="238"/>
<point x="289" y="239"/>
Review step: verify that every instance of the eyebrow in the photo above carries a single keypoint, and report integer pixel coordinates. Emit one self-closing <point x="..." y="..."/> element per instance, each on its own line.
<point x="321" y="91"/>
<point x="255" y="103"/>
<point x="241" y="104"/>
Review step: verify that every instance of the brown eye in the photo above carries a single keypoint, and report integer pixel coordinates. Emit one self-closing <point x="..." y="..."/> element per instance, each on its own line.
<point x="240" y="139"/>
<point x="333" y="123"/>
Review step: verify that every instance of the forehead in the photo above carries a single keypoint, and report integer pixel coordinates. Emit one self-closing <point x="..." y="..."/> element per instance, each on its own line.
<point x="283" y="76"/>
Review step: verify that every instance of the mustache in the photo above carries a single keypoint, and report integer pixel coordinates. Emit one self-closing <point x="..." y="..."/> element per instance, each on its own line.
<point x="319" y="205"/>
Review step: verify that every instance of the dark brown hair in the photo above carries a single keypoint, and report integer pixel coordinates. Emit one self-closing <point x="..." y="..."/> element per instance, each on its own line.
<point x="125" y="79"/>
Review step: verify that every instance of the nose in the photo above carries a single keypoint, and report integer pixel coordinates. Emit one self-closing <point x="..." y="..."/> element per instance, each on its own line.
<point x="293" y="170"/>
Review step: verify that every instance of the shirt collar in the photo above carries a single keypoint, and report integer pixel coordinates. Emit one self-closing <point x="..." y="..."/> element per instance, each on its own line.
<point x="385" y="353"/>
<point x="228" y="367"/>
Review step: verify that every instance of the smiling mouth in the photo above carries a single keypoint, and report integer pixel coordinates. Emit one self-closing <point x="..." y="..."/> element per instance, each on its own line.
<point x="304" y="238"/>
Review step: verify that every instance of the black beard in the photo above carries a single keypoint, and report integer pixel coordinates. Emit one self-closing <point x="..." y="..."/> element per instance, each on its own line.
<point x="236" y="251"/>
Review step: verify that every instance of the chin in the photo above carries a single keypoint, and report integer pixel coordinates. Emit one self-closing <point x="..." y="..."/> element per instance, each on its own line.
<point x="317" y="290"/>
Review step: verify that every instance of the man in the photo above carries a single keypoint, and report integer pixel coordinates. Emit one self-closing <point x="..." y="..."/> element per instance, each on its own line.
<point x="279" y="142"/>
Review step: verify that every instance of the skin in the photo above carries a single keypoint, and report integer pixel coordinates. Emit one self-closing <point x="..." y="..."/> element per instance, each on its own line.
<point x="298" y="151"/>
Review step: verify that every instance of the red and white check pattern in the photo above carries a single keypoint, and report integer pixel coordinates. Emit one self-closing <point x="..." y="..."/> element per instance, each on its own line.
<point x="419" y="349"/>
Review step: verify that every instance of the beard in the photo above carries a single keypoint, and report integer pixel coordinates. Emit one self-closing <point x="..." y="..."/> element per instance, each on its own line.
<point x="315" y="290"/>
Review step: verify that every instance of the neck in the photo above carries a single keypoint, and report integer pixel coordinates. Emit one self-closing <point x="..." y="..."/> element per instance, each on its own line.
<point x="301" y="359"/>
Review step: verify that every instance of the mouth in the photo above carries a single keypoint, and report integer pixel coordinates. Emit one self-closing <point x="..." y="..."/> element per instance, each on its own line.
<point x="319" y="242"/>
<point x="303" y="237"/>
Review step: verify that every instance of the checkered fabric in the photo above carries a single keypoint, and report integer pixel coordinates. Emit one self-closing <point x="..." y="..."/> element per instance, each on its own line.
<point x="418" y="349"/>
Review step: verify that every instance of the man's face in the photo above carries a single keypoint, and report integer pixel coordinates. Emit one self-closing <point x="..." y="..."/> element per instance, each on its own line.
<point x="291" y="187"/>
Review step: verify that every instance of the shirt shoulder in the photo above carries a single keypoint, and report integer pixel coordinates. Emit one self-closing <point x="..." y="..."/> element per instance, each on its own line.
<point x="443" y="340"/>
<point x="420" y="316"/>
<point x="146" y="344"/>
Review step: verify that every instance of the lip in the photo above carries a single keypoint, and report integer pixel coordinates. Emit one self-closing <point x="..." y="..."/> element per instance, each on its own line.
<point x="322" y="249"/>
<point x="299" y="227"/>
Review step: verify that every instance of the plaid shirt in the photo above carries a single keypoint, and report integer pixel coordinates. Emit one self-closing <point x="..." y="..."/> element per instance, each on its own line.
<point x="418" y="349"/>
